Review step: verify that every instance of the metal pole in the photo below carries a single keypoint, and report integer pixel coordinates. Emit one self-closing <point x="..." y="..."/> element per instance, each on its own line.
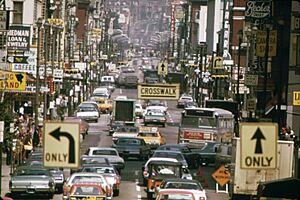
<point x="45" y="71"/>
<point x="238" y="73"/>
<point x="37" y="87"/>
<point x="266" y="69"/>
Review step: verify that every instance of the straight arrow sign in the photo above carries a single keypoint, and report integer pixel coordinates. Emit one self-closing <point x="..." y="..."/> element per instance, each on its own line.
<point x="57" y="134"/>
<point x="258" y="136"/>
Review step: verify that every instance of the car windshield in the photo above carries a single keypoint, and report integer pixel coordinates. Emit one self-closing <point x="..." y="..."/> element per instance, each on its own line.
<point x="87" y="179"/>
<point x="128" y="141"/>
<point x="147" y="134"/>
<point x="99" y="170"/>
<point x="177" y="197"/>
<point x="162" y="169"/>
<point x="32" y="172"/>
<point x="85" y="190"/>
<point x="183" y="185"/>
<point x="104" y="152"/>
<point x="161" y="154"/>
<point x="92" y="160"/>
<point x="86" y="108"/>
<point x="100" y="95"/>
<point x="127" y="129"/>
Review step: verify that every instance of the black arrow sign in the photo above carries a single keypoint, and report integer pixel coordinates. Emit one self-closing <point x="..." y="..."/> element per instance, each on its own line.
<point x="163" y="67"/>
<point x="57" y="134"/>
<point x="217" y="60"/>
<point x="258" y="136"/>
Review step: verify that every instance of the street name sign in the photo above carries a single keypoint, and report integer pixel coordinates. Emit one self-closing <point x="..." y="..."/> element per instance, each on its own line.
<point x="61" y="145"/>
<point x="221" y="176"/>
<point x="296" y="98"/>
<point x="162" y="68"/>
<point x="258" y="145"/>
<point x="158" y="91"/>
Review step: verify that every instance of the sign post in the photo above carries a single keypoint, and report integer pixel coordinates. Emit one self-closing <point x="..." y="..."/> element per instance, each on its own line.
<point x="62" y="145"/>
<point x="258" y="145"/>
<point x="222" y="177"/>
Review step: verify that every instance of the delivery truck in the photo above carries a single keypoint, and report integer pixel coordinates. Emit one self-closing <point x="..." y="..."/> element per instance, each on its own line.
<point x="244" y="182"/>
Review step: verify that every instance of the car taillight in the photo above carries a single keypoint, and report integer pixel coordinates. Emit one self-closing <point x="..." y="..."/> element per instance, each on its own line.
<point x="108" y="191"/>
<point x="65" y="190"/>
<point x="145" y="173"/>
<point x="118" y="181"/>
<point x="202" y="198"/>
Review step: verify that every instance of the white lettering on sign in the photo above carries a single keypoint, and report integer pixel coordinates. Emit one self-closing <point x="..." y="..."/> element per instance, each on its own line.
<point x="56" y="157"/>
<point x="258" y="161"/>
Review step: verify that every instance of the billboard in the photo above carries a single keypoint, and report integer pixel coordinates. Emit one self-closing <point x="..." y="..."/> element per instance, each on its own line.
<point x="18" y="38"/>
<point x="12" y="81"/>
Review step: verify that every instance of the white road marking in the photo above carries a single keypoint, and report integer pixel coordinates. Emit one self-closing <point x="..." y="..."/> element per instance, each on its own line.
<point x="138" y="188"/>
<point x="136" y="173"/>
<point x="171" y="120"/>
<point x="139" y="196"/>
<point x="121" y="91"/>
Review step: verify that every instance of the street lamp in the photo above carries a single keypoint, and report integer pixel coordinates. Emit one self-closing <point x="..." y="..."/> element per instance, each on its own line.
<point x="39" y="24"/>
<point x="240" y="37"/>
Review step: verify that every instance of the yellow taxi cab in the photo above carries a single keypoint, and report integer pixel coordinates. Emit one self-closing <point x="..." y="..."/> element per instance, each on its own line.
<point x="105" y="106"/>
<point x="152" y="136"/>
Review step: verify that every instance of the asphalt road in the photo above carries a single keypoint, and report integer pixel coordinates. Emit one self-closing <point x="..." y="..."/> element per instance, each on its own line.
<point x="131" y="185"/>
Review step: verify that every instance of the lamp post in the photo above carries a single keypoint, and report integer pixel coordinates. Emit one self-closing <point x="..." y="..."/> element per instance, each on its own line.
<point x="37" y="87"/>
<point x="240" y="37"/>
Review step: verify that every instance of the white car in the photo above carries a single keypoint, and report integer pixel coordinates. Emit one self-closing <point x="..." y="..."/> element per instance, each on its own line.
<point x="88" y="112"/>
<point x="110" y="153"/>
<point x="86" y="177"/>
<point x="139" y="110"/>
<point x="183" y="100"/>
<point x="155" y="109"/>
<point x="183" y="194"/>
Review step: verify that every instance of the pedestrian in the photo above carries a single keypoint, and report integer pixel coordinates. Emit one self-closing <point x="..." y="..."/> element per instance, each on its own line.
<point x="28" y="144"/>
<point x="36" y="137"/>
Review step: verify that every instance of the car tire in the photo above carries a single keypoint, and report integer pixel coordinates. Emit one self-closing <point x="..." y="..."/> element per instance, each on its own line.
<point x="149" y="196"/>
<point x="116" y="192"/>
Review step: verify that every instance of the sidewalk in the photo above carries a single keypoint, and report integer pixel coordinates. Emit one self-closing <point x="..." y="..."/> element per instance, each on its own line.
<point x="5" y="177"/>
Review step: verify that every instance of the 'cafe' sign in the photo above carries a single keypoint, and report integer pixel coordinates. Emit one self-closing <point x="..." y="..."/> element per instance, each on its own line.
<point x="257" y="10"/>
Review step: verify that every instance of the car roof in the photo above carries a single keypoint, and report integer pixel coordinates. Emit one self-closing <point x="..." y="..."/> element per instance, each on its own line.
<point x="181" y="180"/>
<point x="162" y="162"/>
<point x="104" y="148"/>
<point x="153" y="159"/>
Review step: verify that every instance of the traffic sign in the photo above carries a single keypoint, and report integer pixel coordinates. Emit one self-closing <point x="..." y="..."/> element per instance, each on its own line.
<point x="162" y="68"/>
<point x="296" y="98"/>
<point x="158" y="91"/>
<point x="218" y="63"/>
<point x="251" y="104"/>
<point x="221" y="176"/>
<point x="258" y="145"/>
<point x="61" y="145"/>
<point x="12" y="81"/>
<point x="251" y="80"/>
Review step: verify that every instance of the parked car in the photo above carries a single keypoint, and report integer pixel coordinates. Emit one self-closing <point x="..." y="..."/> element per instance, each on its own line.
<point x="87" y="191"/>
<point x="84" y="126"/>
<point x="132" y="147"/>
<point x="110" y="153"/>
<point x="109" y="172"/>
<point x="88" y="112"/>
<point x="30" y="180"/>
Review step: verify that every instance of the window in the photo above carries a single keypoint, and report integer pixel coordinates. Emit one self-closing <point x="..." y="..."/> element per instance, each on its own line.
<point x="18" y="12"/>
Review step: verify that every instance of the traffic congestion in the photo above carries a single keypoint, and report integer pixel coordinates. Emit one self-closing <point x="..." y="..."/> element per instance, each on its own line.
<point x="129" y="149"/>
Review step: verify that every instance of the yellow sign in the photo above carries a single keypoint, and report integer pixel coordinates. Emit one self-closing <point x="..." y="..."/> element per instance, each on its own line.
<point x="162" y="68"/>
<point x="296" y="98"/>
<point x="12" y="81"/>
<point x="221" y="176"/>
<point x="55" y="21"/>
<point x="158" y="91"/>
<point x="62" y="145"/>
<point x="261" y="38"/>
<point x="258" y="145"/>
<point x="218" y="63"/>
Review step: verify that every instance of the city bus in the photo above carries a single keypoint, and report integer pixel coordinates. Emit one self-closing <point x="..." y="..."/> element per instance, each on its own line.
<point x="206" y="124"/>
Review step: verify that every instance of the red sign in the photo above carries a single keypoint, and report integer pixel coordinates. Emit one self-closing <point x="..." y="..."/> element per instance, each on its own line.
<point x="196" y="135"/>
